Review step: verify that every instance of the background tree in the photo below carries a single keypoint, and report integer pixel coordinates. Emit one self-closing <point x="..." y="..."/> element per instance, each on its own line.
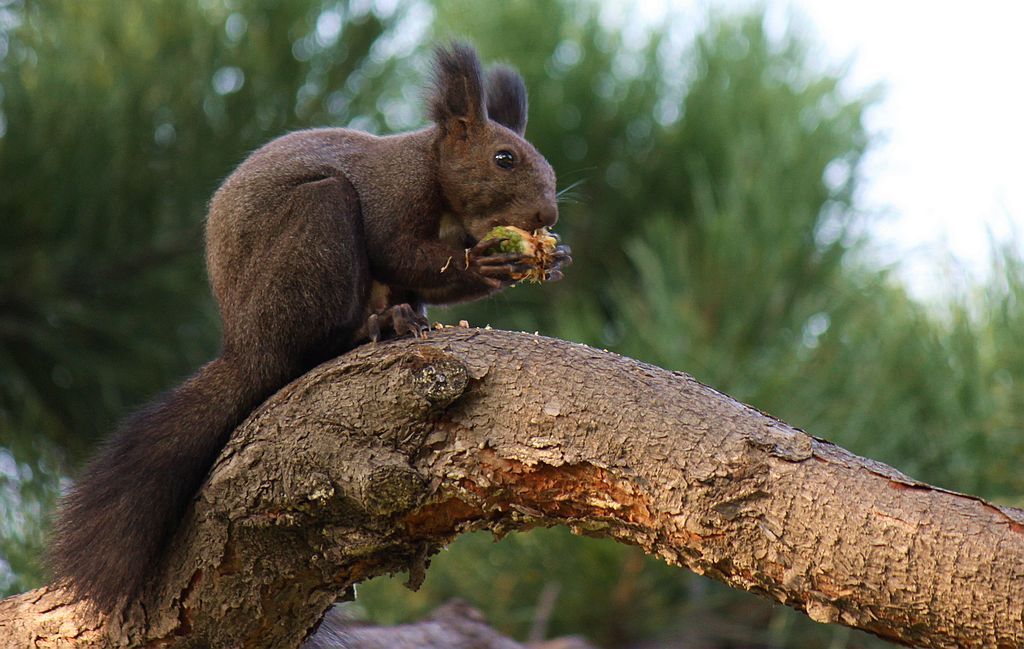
<point x="714" y="224"/>
<point x="119" y="122"/>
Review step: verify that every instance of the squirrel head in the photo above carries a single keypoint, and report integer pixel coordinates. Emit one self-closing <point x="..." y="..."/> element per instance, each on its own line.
<point x="489" y="174"/>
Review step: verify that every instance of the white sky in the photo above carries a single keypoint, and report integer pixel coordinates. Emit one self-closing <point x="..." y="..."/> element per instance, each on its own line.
<point x="948" y="174"/>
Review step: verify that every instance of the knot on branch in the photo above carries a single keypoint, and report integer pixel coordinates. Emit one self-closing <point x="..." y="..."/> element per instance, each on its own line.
<point x="782" y="442"/>
<point x="437" y="376"/>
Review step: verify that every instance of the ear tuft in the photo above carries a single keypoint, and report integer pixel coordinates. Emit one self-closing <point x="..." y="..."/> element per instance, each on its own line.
<point x="506" y="98"/>
<point x="458" y="89"/>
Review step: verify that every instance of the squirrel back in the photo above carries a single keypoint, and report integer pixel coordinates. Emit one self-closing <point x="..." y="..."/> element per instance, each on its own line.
<point x="320" y="240"/>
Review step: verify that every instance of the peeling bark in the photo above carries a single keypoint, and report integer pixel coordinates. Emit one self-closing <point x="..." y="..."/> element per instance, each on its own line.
<point x="370" y="463"/>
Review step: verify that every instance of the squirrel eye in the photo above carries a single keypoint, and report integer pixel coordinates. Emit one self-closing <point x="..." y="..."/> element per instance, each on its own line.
<point x="504" y="159"/>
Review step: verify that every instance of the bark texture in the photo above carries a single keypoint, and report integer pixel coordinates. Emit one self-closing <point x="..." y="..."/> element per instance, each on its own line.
<point x="370" y="463"/>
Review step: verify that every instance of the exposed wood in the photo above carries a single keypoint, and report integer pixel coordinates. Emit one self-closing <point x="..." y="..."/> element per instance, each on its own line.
<point x="370" y="463"/>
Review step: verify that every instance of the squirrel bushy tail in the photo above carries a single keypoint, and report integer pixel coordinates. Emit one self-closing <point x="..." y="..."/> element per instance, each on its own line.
<point x="115" y="522"/>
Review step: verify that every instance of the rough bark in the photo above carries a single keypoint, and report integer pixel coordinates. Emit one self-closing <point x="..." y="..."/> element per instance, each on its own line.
<point x="370" y="463"/>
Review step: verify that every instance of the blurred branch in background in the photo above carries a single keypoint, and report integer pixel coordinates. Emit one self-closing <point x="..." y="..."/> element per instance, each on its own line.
<point x="714" y="224"/>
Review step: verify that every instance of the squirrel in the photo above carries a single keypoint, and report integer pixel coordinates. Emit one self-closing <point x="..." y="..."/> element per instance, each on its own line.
<point x="319" y="241"/>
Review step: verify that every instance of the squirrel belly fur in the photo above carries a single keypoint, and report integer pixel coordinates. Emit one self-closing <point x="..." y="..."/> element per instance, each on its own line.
<point x="319" y="241"/>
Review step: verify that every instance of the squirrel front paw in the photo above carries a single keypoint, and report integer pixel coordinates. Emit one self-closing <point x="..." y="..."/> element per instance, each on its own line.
<point x="560" y="258"/>
<point x="505" y="268"/>
<point x="397" y="321"/>
<point x="497" y="268"/>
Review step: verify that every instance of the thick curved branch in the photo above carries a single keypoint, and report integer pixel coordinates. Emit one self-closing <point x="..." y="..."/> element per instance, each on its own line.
<point x="369" y="463"/>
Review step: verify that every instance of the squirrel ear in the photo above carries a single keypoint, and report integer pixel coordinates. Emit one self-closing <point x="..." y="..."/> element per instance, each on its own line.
<point x="506" y="98"/>
<point x="457" y="95"/>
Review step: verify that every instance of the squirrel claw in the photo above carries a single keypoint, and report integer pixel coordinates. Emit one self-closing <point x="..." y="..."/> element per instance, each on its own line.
<point x="373" y="327"/>
<point x="401" y="319"/>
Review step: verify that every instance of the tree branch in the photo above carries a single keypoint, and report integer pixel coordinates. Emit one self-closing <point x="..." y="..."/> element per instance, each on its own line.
<point x="370" y="463"/>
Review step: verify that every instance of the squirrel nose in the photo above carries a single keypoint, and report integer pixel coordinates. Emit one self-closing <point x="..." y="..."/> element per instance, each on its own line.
<point x="546" y="216"/>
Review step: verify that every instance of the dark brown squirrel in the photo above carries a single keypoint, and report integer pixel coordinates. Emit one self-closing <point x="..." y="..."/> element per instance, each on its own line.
<point x="319" y="241"/>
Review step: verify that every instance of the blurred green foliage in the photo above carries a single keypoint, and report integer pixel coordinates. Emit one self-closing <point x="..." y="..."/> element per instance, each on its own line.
<point x="710" y="206"/>
<point x="119" y="122"/>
